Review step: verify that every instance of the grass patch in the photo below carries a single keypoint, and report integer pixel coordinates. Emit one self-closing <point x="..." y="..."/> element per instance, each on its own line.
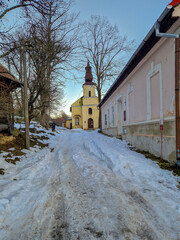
<point x="162" y="163"/>
<point x="99" y="131"/>
<point x="19" y="144"/>
<point x="147" y="154"/>
<point x="13" y="161"/>
<point x="119" y="137"/>
<point x="52" y="134"/>
<point x="34" y="130"/>
<point x="1" y="171"/>
<point x="167" y="166"/>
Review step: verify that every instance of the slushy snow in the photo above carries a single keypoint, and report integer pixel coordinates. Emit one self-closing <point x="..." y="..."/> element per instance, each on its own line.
<point x="87" y="186"/>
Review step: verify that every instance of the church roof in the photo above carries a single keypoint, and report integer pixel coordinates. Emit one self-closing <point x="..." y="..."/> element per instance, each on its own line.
<point x="89" y="83"/>
<point x="88" y="76"/>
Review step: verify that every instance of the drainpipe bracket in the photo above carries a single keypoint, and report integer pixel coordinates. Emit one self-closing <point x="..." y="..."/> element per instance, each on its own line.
<point x="167" y="35"/>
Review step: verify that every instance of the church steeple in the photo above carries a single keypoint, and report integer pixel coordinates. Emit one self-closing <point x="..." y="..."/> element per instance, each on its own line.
<point x="88" y="76"/>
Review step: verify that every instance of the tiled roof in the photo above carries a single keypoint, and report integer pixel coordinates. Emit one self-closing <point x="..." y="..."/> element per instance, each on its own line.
<point x="174" y="3"/>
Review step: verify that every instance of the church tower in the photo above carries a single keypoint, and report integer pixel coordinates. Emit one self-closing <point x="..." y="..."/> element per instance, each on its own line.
<point x="90" y="101"/>
<point x="85" y="113"/>
<point x="88" y="86"/>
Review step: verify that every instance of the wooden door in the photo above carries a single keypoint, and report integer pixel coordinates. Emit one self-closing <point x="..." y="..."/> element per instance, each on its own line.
<point x="90" y="123"/>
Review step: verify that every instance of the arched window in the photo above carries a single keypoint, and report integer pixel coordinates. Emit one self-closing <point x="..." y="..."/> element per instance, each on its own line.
<point x="89" y="93"/>
<point x="77" y="121"/>
<point x="90" y="110"/>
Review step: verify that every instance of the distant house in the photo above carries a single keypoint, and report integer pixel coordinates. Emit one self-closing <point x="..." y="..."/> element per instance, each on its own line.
<point x="59" y="121"/>
<point x="145" y="96"/>
<point x="8" y="83"/>
<point x="85" y="114"/>
<point x="69" y="123"/>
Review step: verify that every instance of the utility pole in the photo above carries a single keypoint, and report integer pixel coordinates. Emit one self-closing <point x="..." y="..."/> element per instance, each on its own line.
<point x="21" y="78"/>
<point x="26" y="112"/>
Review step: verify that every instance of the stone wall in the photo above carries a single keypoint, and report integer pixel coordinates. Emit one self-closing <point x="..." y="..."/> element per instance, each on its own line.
<point x="147" y="137"/>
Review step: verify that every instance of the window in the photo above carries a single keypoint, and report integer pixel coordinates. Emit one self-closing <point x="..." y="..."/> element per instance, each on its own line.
<point x="89" y="93"/>
<point x="124" y="116"/>
<point x="105" y="119"/>
<point x="90" y="110"/>
<point x="112" y="112"/>
<point x="77" y="121"/>
<point x="108" y="117"/>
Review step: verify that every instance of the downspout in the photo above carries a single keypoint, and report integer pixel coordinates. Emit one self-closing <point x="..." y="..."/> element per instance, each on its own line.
<point x="177" y="98"/>
<point x="177" y="85"/>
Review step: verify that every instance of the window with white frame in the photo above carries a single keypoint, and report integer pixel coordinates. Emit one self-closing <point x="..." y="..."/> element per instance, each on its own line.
<point x="112" y="114"/>
<point x="77" y="121"/>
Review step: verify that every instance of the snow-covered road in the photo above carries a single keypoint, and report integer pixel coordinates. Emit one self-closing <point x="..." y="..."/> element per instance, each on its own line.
<point x="88" y="186"/>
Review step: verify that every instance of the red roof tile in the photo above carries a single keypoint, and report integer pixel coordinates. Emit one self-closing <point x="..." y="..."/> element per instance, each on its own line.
<point x="174" y="3"/>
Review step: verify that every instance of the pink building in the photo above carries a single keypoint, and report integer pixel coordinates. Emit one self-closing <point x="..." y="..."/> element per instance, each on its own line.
<point x="143" y="95"/>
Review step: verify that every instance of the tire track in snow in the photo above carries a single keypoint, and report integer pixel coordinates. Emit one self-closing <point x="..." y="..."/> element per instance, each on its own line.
<point x="144" y="205"/>
<point x="95" y="208"/>
<point x="99" y="203"/>
<point x="76" y="194"/>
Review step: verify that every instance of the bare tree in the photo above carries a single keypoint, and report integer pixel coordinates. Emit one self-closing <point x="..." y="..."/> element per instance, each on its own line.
<point x="8" y="6"/>
<point x="52" y="39"/>
<point x="6" y="30"/>
<point x="103" y="46"/>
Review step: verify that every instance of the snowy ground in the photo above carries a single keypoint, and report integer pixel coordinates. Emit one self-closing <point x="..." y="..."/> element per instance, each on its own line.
<point x="87" y="186"/>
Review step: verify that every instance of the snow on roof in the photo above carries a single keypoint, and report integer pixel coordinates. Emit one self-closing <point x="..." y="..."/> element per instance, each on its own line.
<point x="6" y="74"/>
<point x="68" y="119"/>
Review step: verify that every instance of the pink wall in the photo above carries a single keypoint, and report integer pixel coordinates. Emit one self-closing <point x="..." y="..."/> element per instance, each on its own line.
<point x="156" y="69"/>
<point x="155" y="96"/>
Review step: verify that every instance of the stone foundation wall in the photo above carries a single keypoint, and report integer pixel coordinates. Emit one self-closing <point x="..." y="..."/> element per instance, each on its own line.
<point x="111" y="131"/>
<point x="147" y="137"/>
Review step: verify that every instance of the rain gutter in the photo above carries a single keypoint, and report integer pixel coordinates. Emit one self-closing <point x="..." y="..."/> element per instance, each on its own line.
<point x="149" y="41"/>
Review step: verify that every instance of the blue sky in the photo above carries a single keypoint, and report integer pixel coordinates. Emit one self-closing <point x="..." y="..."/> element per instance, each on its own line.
<point x="133" y="18"/>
